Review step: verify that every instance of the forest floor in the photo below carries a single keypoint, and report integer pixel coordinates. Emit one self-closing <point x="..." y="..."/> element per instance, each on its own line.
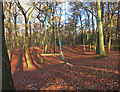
<point x="82" y="71"/>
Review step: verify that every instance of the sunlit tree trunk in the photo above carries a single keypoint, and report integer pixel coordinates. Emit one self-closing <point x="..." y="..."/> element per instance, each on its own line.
<point x="118" y="27"/>
<point x="23" y="39"/>
<point x="47" y="34"/>
<point x="9" y="30"/>
<point x="7" y="82"/>
<point x="109" y="27"/>
<point x="26" y="43"/>
<point x="30" y="34"/>
<point x="93" y="32"/>
<point x="54" y="31"/>
<point x="101" y="40"/>
<point x="26" y="33"/>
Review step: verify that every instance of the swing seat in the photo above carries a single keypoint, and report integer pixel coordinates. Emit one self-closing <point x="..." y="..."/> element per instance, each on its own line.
<point x="56" y="54"/>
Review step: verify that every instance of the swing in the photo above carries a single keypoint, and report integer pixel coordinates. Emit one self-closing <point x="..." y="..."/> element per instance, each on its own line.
<point x="56" y="54"/>
<point x="51" y="54"/>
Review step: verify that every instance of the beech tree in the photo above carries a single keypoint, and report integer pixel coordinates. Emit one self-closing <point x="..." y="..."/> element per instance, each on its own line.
<point x="101" y="39"/>
<point x="7" y="82"/>
<point x="26" y="30"/>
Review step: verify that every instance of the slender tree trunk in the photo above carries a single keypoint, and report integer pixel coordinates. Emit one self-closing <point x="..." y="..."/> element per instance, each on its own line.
<point x="47" y="35"/>
<point x="23" y="39"/>
<point x="93" y="32"/>
<point x="9" y="31"/>
<point x="89" y="34"/>
<point x="16" y="35"/>
<point x="118" y="27"/>
<point x="83" y="36"/>
<point x="83" y="40"/>
<point x="74" y="35"/>
<point x="102" y="13"/>
<point x="30" y="34"/>
<point x="40" y="38"/>
<point x="54" y="32"/>
<point x="7" y="82"/>
<point x="26" y="43"/>
<point x="109" y="27"/>
<point x="98" y="47"/>
<point x="109" y="43"/>
<point x="106" y="32"/>
<point x="101" y="40"/>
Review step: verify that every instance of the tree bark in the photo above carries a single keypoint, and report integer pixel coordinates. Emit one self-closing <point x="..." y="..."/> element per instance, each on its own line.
<point x="118" y="27"/>
<point x="89" y="34"/>
<point x="109" y="27"/>
<point x="9" y="31"/>
<point x="93" y="32"/>
<point x="101" y="40"/>
<point x="30" y="33"/>
<point x="54" y="32"/>
<point x="26" y="43"/>
<point x="7" y="82"/>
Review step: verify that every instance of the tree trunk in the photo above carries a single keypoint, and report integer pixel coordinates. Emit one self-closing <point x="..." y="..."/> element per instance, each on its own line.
<point x="16" y="35"/>
<point x="101" y="40"/>
<point x="93" y="32"/>
<point x="109" y="28"/>
<point x="106" y="32"/>
<point x="118" y="24"/>
<point x="88" y="33"/>
<point x="47" y="36"/>
<point x="118" y="27"/>
<point x="9" y="31"/>
<point x="26" y="44"/>
<point x="54" y="32"/>
<point x="98" y="47"/>
<point x="74" y="33"/>
<point x="30" y="34"/>
<point x="7" y="82"/>
<point x="82" y="34"/>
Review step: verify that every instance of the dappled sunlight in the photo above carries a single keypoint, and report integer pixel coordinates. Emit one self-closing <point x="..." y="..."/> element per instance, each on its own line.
<point x="60" y="45"/>
<point x="90" y="53"/>
<point x="101" y="69"/>
<point x="77" y="71"/>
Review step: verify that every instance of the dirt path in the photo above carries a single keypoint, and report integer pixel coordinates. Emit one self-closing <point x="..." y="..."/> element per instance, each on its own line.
<point x="82" y="71"/>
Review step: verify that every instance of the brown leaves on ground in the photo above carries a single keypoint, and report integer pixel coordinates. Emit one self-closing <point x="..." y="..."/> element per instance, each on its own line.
<point x="82" y="71"/>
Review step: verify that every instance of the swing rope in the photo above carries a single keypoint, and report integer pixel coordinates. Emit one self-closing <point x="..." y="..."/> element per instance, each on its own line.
<point x="63" y="57"/>
<point x="43" y="53"/>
